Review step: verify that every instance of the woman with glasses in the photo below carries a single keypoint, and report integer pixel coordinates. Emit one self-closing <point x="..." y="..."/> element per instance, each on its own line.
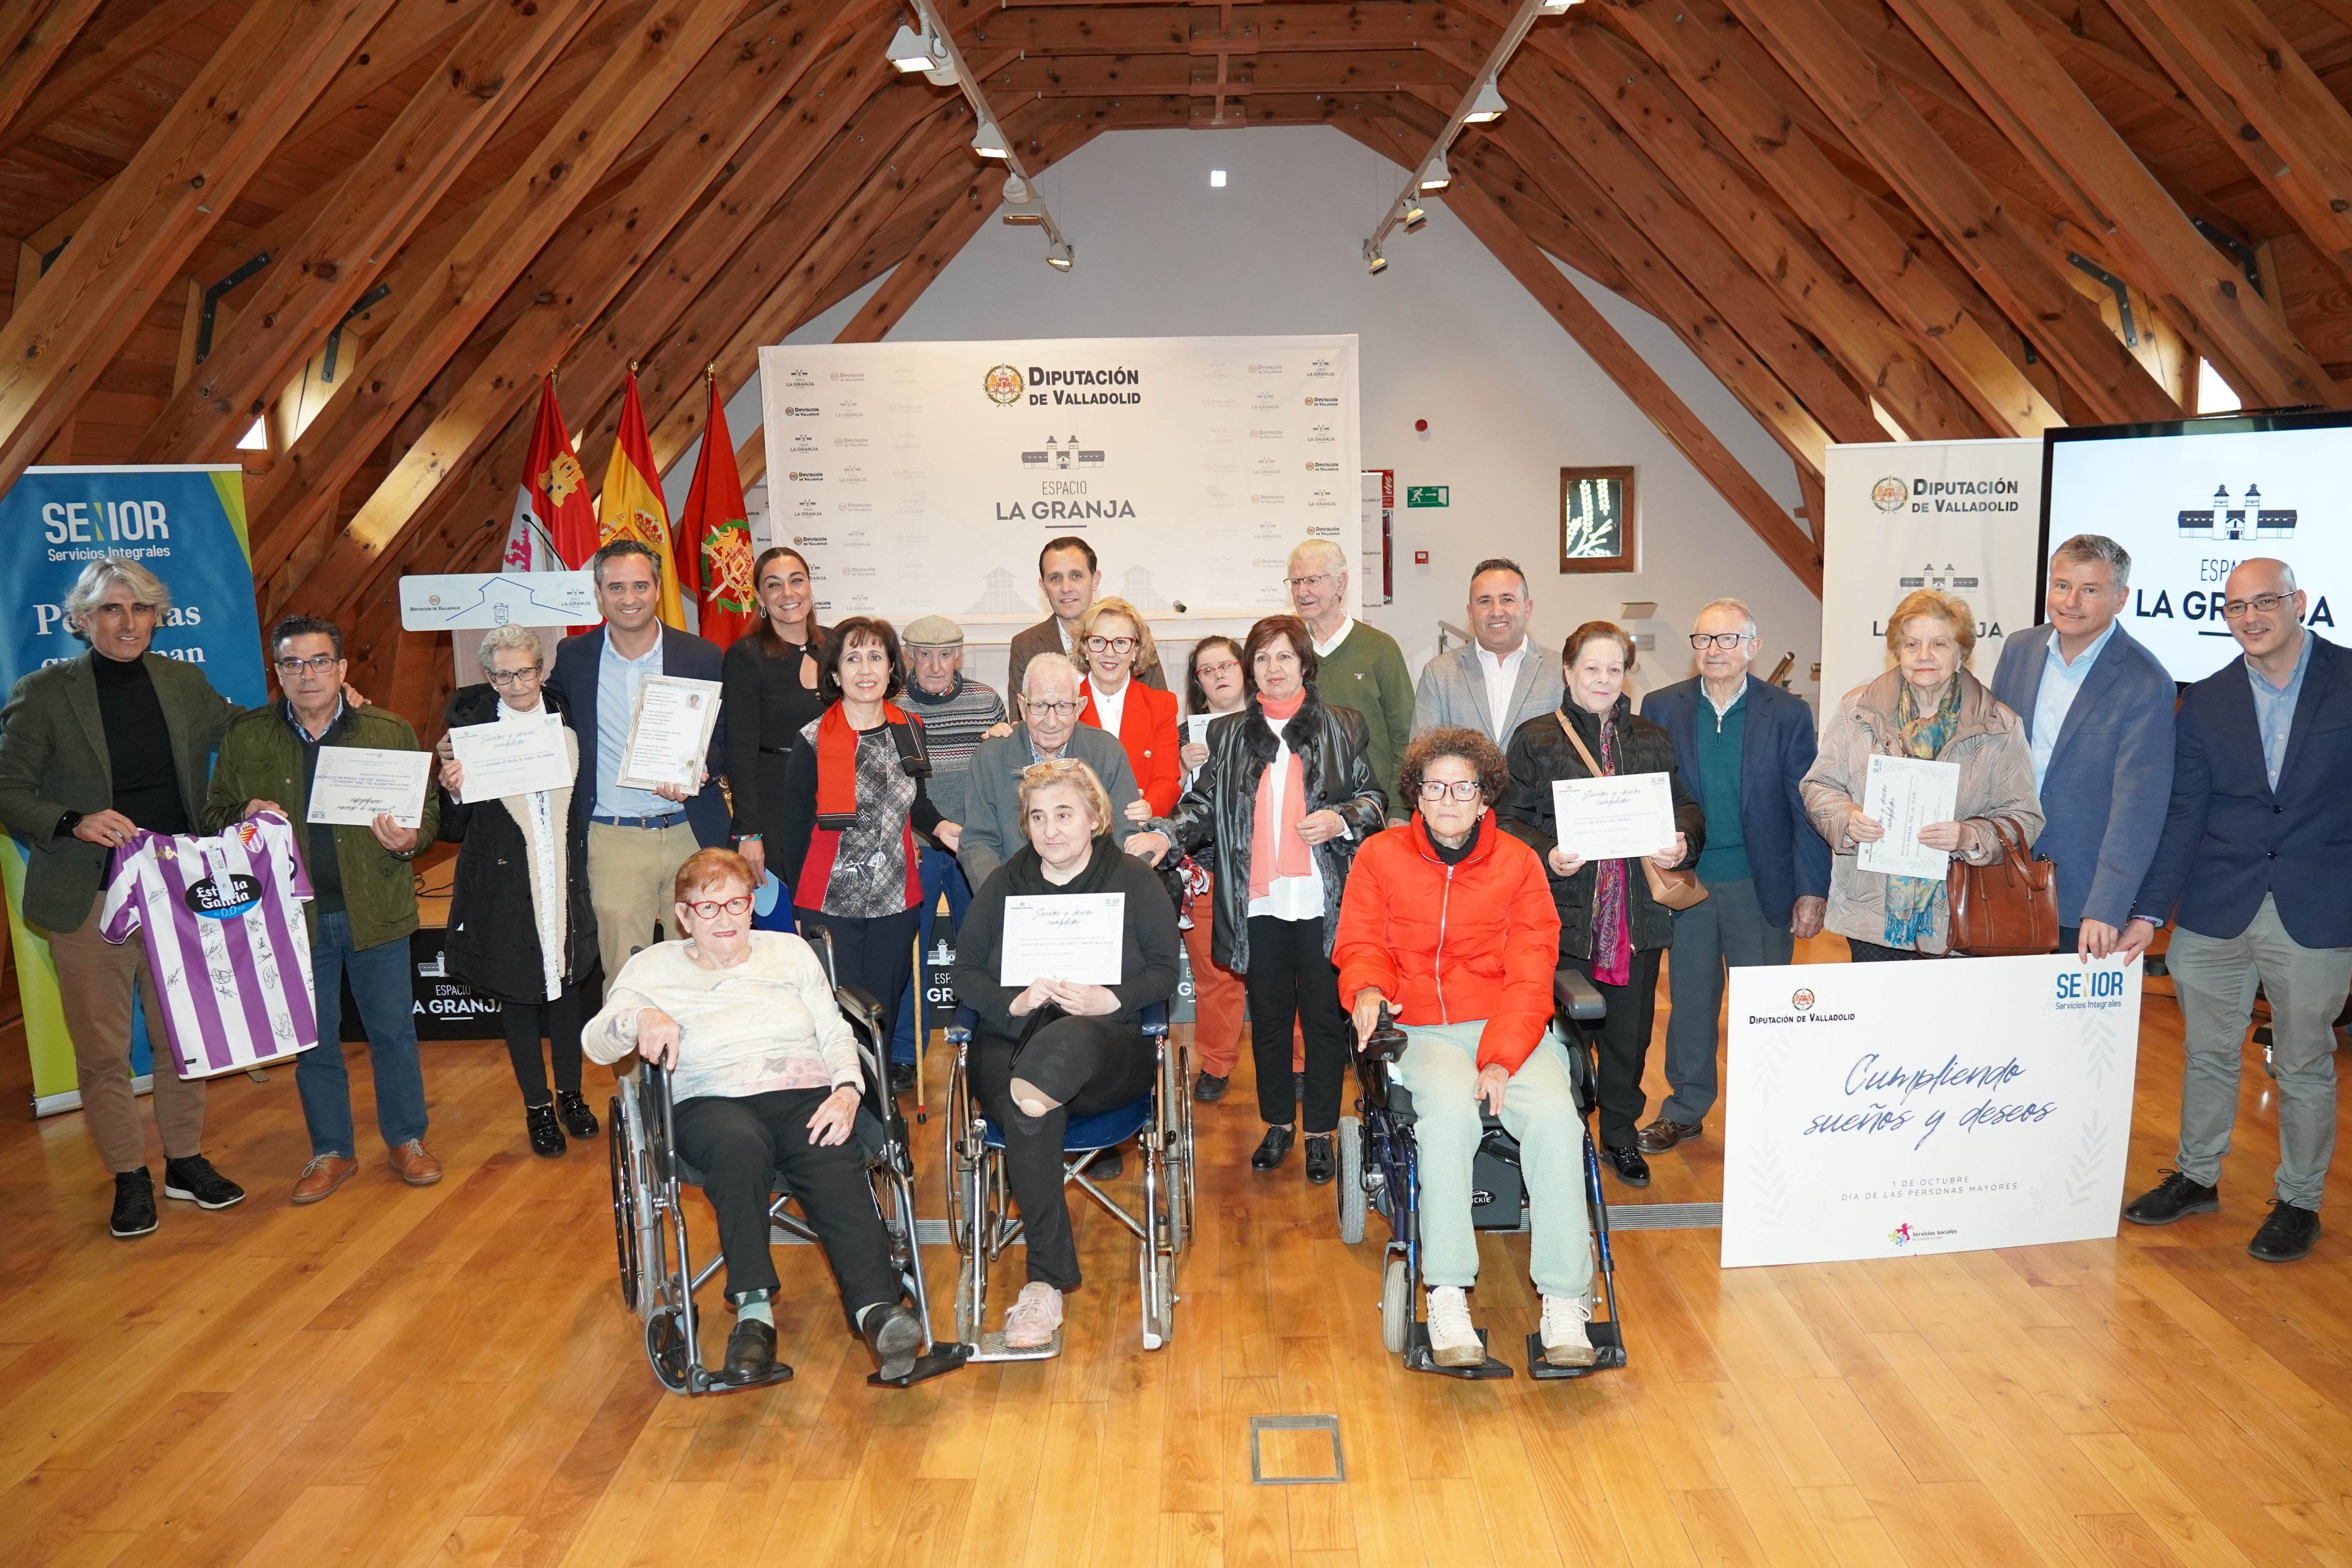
<point x="1448" y="923"/>
<point x="771" y="692"/>
<point x="1114" y="648"/>
<point x="520" y="925"/>
<point x="1213" y="688"/>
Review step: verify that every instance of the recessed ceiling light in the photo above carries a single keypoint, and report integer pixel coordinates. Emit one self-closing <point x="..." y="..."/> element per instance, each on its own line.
<point x="1217" y="179"/>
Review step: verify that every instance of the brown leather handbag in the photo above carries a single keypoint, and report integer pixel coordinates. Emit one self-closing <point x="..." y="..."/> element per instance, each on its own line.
<point x="2004" y="910"/>
<point x="1676" y="889"/>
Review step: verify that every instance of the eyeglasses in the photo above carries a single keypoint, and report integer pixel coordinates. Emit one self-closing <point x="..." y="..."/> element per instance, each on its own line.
<point x="318" y="666"/>
<point x="1112" y="645"/>
<point x="1053" y="710"/>
<point x="502" y="679"/>
<point x="1461" y="789"/>
<point x="1228" y="667"/>
<point x="1307" y="582"/>
<point x="1723" y="640"/>
<point x="2235" y="609"/>
<point x="708" y="908"/>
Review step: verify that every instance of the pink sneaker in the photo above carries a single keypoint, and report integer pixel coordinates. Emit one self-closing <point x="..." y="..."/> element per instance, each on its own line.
<point x="1035" y="1317"/>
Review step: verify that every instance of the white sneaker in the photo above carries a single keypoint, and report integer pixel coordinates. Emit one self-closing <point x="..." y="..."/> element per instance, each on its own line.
<point x="1452" y="1337"/>
<point x="1564" y="1340"/>
<point x="1035" y="1317"/>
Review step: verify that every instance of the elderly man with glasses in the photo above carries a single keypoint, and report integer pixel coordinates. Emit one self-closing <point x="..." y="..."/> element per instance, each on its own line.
<point x="1355" y="666"/>
<point x="1049" y="728"/>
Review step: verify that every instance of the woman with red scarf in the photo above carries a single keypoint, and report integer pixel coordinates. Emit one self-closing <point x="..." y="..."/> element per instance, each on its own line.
<point x="853" y="801"/>
<point x="1610" y="927"/>
<point x="1285" y="796"/>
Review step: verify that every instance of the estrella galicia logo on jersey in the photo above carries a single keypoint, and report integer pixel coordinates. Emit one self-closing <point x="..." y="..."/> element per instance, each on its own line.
<point x="225" y="897"/>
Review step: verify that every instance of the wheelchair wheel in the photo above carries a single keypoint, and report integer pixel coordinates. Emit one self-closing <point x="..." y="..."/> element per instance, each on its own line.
<point x="626" y="1197"/>
<point x="1396" y="1306"/>
<point x="1351" y="1181"/>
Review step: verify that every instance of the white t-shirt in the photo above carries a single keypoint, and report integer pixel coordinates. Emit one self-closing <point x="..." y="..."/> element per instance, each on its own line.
<point x="1110" y="707"/>
<point x="1288" y="897"/>
<point x="1502" y="676"/>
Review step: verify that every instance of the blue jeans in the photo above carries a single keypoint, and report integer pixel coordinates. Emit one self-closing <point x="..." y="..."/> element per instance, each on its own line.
<point x="939" y="870"/>
<point x="380" y="983"/>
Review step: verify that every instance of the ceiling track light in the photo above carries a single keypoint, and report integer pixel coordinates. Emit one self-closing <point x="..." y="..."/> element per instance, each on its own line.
<point x="1416" y="218"/>
<point x="989" y="141"/>
<point x="1061" y="257"/>
<point x="1434" y="175"/>
<point x="1374" y="262"/>
<point x="1487" y="105"/>
<point x="926" y="46"/>
<point x="926" y="51"/>
<point x="1555" y="7"/>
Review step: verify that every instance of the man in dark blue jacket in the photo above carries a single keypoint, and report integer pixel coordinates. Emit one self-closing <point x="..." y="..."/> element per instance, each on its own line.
<point x="2097" y="708"/>
<point x="2256" y="855"/>
<point x="1743" y="746"/>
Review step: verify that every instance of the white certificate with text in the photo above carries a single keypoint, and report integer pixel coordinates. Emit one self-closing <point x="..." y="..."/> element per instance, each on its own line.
<point x="1074" y="936"/>
<point x="1903" y="794"/>
<point x="502" y="760"/>
<point x="356" y="784"/>
<point x="1624" y="817"/>
<point x="670" y="734"/>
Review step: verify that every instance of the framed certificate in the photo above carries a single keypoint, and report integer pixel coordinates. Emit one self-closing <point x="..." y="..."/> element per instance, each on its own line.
<point x="669" y="735"/>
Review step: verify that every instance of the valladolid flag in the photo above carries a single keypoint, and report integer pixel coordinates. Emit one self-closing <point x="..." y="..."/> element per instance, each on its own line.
<point x="633" y="507"/>
<point x="554" y="525"/>
<point x="714" y="556"/>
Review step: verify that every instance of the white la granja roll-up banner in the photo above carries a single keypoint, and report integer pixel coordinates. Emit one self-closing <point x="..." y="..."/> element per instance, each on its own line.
<point x="1879" y="1110"/>
<point x="922" y="478"/>
<point x="1963" y="516"/>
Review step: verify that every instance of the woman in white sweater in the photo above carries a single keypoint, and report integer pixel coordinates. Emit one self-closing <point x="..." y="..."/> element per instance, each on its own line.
<point x="765" y="1075"/>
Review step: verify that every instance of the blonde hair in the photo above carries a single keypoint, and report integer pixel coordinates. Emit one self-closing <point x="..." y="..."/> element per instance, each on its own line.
<point x="1147" y="650"/>
<point x="712" y="868"/>
<point x="1039" y="777"/>
<point x="1929" y="604"/>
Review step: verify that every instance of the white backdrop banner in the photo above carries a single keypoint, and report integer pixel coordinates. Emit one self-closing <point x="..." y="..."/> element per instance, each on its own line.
<point x="1879" y="1110"/>
<point x="1964" y="516"/>
<point x="923" y="477"/>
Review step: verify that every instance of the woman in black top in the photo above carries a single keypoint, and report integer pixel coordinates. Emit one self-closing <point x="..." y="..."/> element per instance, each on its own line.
<point x="771" y="692"/>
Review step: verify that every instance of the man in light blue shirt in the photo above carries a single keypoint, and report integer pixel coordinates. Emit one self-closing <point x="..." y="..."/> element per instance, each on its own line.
<point x="2062" y="682"/>
<point x="618" y="679"/>
<point x="2275" y="705"/>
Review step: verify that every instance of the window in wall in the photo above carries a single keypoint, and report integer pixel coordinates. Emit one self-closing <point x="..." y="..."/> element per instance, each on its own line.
<point x="2214" y="395"/>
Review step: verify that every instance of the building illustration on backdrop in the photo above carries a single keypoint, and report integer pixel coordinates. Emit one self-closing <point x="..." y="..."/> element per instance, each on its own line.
<point x="2245" y="518"/>
<point x="1007" y="594"/>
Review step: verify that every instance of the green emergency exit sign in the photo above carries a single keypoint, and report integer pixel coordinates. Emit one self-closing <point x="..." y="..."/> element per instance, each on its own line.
<point x="1427" y="496"/>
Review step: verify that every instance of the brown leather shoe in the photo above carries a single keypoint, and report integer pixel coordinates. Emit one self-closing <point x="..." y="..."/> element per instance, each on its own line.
<point x="415" y="1168"/>
<point x="1663" y="1135"/>
<point x="322" y="1177"/>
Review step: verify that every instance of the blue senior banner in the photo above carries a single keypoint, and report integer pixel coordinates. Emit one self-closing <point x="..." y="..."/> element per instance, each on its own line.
<point x="186" y="525"/>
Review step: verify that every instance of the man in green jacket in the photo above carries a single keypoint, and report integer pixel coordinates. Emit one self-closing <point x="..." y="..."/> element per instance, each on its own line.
<point x="1359" y="666"/>
<point x="363" y="905"/>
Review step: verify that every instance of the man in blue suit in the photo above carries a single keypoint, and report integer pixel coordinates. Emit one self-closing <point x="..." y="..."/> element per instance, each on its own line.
<point x="2097" y="708"/>
<point x="636" y="838"/>
<point x="2255" y="858"/>
<point x="1743" y="746"/>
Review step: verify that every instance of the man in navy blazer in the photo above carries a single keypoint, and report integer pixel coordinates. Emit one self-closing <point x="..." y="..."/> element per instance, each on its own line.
<point x="1743" y="746"/>
<point x="636" y="838"/>
<point x="2097" y="707"/>
<point x="2254" y="866"/>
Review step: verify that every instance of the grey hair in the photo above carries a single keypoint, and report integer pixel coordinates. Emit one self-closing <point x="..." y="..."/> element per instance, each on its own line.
<point x="1729" y="603"/>
<point x="501" y="639"/>
<point x="1332" y="553"/>
<point x="2084" y="549"/>
<point x="1028" y="675"/>
<point x="102" y="575"/>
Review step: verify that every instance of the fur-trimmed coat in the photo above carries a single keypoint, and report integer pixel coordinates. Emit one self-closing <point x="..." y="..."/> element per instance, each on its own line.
<point x="1219" y="807"/>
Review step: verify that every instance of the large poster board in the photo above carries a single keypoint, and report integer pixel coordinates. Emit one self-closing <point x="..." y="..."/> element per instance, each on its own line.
<point x="1879" y="1110"/>
<point x="922" y="478"/>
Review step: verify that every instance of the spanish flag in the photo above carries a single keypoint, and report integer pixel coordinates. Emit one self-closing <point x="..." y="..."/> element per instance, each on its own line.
<point x="632" y="507"/>
<point x="714" y="557"/>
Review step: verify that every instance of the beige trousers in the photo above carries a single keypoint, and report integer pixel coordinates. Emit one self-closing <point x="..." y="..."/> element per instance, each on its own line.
<point x="630" y="875"/>
<point x="95" y="978"/>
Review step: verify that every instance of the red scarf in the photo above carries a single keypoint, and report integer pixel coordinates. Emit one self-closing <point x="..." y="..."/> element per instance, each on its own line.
<point x="836" y="759"/>
<point x="1276" y="847"/>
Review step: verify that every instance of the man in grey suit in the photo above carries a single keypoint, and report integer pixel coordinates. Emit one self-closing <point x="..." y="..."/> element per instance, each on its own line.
<point x="2098" y="712"/>
<point x="1049" y="729"/>
<point x="1502" y="679"/>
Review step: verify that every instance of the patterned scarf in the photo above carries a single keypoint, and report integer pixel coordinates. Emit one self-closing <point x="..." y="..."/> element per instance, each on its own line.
<point x="1612" y="938"/>
<point x="1914" y="903"/>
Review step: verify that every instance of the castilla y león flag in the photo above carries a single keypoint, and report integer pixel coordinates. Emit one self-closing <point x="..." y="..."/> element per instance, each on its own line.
<point x="554" y="525"/>
<point x="714" y="556"/>
<point x="633" y="507"/>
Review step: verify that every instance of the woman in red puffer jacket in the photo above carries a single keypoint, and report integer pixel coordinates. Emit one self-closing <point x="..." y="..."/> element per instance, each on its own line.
<point x="1450" y="923"/>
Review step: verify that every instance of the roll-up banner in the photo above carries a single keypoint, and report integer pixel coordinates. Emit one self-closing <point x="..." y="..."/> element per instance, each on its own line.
<point x="1963" y="516"/>
<point x="186" y="525"/>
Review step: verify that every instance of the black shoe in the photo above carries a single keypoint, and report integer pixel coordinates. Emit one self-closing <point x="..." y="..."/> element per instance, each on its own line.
<point x="194" y="1180"/>
<point x="902" y="1078"/>
<point x="1208" y="1088"/>
<point x="2286" y="1235"/>
<point x="1108" y="1165"/>
<point x="2171" y="1198"/>
<point x="751" y="1354"/>
<point x="546" y="1134"/>
<point x="573" y="1110"/>
<point x="1272" y="1150"/>
<point x="895" y="1334"/>
<point x="134" y="1204"/>
<point x="1322" y="1158"/>
<point x="1631" y="1168"/>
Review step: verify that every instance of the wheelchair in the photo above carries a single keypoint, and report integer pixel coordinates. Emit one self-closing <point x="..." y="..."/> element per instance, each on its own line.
<point x="980" y="1203"/>
<point x="659" y="1276"/>
<point x="1377" y="1170"/>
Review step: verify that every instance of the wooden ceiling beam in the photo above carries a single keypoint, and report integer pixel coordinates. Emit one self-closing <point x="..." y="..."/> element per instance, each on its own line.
<point x="2008" y="69"/>
<point x="68" y="325"/>
<point x="96" y="62"/>
<point x="1254" y="29"/>
<point x="404" y="36"/>
<point x="39" y="32"/>
<point x="1111" y="76"/>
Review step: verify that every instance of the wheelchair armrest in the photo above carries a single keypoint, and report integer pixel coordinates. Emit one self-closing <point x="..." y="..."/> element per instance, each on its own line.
<point x="1578" y="996"/>
<point x="960" y="1026"/>
<point x="860" y="1005"/>
<point x="1154" y="1021"/>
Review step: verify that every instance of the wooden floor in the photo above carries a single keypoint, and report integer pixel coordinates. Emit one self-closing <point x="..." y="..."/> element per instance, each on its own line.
<point x="448" y="1376"/>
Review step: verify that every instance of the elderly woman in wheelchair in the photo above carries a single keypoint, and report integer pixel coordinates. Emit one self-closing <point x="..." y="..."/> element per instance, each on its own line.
<point x="1049" y="1050"/>
<point x="765" y="1078"/>
<point x="1448" y="923"/>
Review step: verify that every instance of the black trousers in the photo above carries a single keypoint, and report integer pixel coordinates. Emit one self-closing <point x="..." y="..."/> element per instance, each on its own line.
<point x="1872" y="953"/>
<point x="1090" y="1065"/>
<point x="740" y="1145"/>
<point x="1623" y="1042"/>
<point x="560" y="1021"/>
<point x="1289" y="979"/>
<point x="875" y="956"/>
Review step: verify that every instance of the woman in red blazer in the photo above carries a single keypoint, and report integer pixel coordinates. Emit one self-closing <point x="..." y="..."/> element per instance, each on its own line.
<point x="1113" y="648"/>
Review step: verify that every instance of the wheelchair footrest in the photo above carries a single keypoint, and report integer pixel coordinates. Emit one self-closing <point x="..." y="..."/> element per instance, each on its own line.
<point x="708" y="1382"/>
<point x="992" y="1347"/>
<point x="1607" y="1346"/>
<point x="942" y="1358"/>
<point x="1417" y="1357"/>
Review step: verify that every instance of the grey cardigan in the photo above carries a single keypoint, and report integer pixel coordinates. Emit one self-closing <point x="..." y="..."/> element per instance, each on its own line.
<point x="991" y="826"/>
<point x="1453" y="691"/>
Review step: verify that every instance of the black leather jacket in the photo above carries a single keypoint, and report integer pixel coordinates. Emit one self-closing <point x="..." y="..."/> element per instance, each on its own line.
<point x="1219" y="808"/>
